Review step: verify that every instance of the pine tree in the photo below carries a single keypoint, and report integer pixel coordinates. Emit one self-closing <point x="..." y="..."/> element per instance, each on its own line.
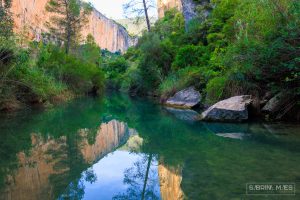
<point x="68" y="20"/>
<point x="139" y="9"/>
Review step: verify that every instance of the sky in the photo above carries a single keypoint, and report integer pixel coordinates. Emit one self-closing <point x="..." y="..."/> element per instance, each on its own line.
<point x="113" y="8"/>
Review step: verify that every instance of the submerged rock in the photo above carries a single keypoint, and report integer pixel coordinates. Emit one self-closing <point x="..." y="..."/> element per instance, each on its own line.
<point x="238" y="136"/>
<point x="184" y="114"/>
<point x="186" y="98"/>
<point x="233" y="109"/>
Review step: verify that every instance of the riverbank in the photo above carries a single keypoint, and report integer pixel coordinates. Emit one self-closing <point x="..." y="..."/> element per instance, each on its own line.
<point x="43" y="74"/>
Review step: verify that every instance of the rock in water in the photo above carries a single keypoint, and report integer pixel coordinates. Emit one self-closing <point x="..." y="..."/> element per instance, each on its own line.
<point x="233" y="109"/>
<point x="186" y="98"/>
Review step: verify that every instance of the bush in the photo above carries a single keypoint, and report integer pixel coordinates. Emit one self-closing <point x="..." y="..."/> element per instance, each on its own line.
<point x="80" y="75"/>
<point x="189" y="76"/>
<point x="114" y="69"/>
<point x="132" y="80"/>
<point x="215" y="89"/>
<point x="190" y="55"/>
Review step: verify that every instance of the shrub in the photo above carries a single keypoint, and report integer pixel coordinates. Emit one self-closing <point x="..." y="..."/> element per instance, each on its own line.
<point x="132" y="81"/>
<point x="190" y="55"/>
<point x="114" y="69"/>
<point x="215" y="89"/>
<point x="80" y="75"/>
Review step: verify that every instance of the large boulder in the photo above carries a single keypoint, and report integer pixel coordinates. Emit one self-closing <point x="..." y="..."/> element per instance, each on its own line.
<point x="233" y="109"/>
<point x="186" y="98"/>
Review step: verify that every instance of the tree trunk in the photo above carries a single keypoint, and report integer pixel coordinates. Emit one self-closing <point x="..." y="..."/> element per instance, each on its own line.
<point x="146" y="15"/>
<point x="68" y="41"/>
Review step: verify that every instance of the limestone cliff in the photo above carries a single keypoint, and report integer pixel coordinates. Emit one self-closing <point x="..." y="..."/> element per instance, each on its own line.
<point x="187" y="7"/>
<point x="30" y="15"/>
<point x="164" y="5"/>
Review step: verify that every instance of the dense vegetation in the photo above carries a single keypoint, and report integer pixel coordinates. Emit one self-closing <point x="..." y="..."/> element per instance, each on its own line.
<point x="48" y="71"/>
<point x="241" y="47"/>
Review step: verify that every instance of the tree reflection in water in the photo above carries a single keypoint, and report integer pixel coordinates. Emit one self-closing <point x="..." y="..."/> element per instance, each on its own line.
<point x="141" y="180"/>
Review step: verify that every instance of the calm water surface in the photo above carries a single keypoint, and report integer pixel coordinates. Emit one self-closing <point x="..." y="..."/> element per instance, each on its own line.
<point x="121" y="148"/>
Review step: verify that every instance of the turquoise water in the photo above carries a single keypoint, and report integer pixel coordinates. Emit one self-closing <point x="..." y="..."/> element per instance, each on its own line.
<point x="118" y="147"/>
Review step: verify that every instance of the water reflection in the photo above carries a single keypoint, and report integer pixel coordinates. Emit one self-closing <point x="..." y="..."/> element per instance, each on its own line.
<point x="170" y="182"/>
<point x="52" y="163"/>
<point x="122" y="148"/>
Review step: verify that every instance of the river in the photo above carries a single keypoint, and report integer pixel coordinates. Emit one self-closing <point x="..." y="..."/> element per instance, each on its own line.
<point x="116" y="147"/>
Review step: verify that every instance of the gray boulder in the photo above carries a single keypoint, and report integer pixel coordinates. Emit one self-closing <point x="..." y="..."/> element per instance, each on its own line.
<point x="233" y="109"/>
<point x="186" y="98"/>
<point x="275" y="103"/>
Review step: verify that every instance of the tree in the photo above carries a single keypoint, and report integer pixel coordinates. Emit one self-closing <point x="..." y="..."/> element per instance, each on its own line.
<point x="69" y="18"/>
<point x="139" y="9"/>
<point x="6" y="21"/>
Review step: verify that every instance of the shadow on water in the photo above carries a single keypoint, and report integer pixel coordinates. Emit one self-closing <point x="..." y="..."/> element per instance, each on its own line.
<point x="117" y="147"/>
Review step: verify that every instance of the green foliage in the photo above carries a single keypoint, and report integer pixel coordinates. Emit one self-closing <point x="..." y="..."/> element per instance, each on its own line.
<point x="90" y="51"/>
<point x="215" y="89"/>
<point x="45" y="73"/>
<point x="171" y="26"/>
<point x="21" y="80"/>
<point x="114" y="68"/>
<point x="190" y="55"/>
<point x="79" y="74"/>
<point x="132" y="80"/>
<point x="68" y="20"/>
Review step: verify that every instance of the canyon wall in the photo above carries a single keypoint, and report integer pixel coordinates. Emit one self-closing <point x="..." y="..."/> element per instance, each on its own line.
<point x="31" y="15"/>
<point x="164" y="5"/>
<point x="187" y="7"/>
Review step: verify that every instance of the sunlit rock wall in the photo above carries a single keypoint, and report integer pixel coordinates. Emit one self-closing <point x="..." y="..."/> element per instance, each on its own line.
<point x="164" y="5"/>
<point x="187" y="7"/>
<point x="170" y="180"/>
<point x="30" y="17"/>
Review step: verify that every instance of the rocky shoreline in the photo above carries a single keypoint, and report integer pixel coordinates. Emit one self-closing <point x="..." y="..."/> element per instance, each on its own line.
<point x="279" y="107"/>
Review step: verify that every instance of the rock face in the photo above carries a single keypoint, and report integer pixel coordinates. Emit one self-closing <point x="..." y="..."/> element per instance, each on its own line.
<point x="186" y="98"/>
<point x="228" y="110"/>
<point x="187" y="7"/>
<point x="164" y="5"/>
<point x="30" y="17"/>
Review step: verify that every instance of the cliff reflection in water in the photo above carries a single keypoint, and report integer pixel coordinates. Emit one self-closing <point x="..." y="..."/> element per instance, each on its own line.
<point x="122" y="148"/>
<point x="51" y="164"/>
